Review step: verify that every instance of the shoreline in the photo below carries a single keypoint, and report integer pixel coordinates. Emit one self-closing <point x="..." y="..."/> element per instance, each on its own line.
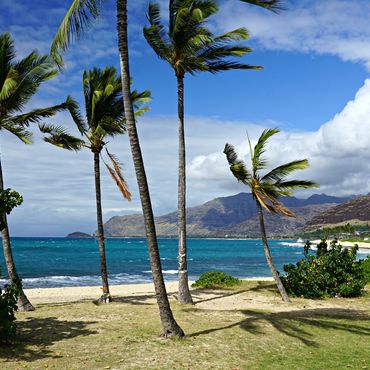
<point x="361" y="245"/>
<point x="91" y="293"/>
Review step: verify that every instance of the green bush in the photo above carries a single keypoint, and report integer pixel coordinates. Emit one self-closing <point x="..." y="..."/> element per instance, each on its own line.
<point x="366" y="268"/>
<point x="332" y="272"/>
<point x="215" y="279"/>
<point x="8" y="306"/>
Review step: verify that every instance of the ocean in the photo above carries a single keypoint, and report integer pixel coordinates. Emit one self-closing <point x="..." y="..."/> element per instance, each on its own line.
<point x="62" y="262"/>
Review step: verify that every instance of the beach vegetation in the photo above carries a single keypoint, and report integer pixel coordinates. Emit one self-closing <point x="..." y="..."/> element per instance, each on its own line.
<point x="267" y="189"/>
<point x="332" y="271"/>
<point x="104" y="118"/>
<point x="215" y="279"/>
<point x="189" y="47"/>
<point x="9" y="199"/>
<point x="76" y="21"/>
<point x="19" y="82"/>
<point x="366" y="267"/>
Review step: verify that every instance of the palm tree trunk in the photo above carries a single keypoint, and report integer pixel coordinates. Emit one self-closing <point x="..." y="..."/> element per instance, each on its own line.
<point x="99" y="215"/>
<point x="169" y="324"/>
<point x="274" y="273"/>
<point x="184" y="295"/>
<point x="23" y="303"/>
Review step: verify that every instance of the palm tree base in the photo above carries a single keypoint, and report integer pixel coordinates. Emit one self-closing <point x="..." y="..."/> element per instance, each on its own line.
<point x="105" y="298"/>
<point x="24" y="305"/>
<point x="184" y="297"/>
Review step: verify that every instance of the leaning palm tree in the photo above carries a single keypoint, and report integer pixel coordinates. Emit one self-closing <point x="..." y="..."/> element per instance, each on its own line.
<point x="266" y="190"/>
<point x="19" y="81"/>
<point x="188" y="46"/>
<point x="104" y="118"/>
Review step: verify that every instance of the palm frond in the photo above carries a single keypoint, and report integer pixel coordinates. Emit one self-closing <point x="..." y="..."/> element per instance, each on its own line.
<point x="37" y="115"/>
<point x="273" y="5"/>
<point x="257" y="162"/>
<point x="75" y="22"/>
<point x="296" y="184"/>
<point x="116" y="173"/>
<point x="9" y="84"/>
<point x="279" y="173"/>
<point x="60" y="137"/>
<point x="237" y="167"/>
<point x="76" y="115"/>
<point x="19" y="131"/>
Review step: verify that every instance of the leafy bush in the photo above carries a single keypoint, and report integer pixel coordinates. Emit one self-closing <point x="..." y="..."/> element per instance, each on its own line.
<point x="8" y="297"/>
<point x="332" y="272"/>
<point x="8" y="306"/>
<point x="366" y="268"/>
<point x="215" y="279"/>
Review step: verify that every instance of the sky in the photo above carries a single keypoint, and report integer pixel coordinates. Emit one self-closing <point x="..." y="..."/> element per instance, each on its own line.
<point x="315" y="87"/>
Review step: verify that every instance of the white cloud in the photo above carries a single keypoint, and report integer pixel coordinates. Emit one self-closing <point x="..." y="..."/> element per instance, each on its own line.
<point x="338" y="152"/>
<point x="58" y="185"/>
<point x="334" y="27"/>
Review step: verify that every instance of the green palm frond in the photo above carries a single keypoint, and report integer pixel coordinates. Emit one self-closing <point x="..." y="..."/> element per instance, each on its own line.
<point x="258" y="162"/>
<point x="295" y="184"/>
<point x="272" y="5"/>
<point x="279" y="173"/>
<point x="9" y="84"/>
<point x="19" y="131"/>
<point x="60" y="137"/>
<point x="237" y="167"/>
<point x="36" y="115"/>
<point x="77" y="19"/>
<point x="76" y="115"/>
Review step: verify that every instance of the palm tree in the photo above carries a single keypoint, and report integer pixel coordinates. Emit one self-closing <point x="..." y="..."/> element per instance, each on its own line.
<point x="189" y="47"/>
<point x="104" y="118"/>
<point x="75" y="22"/>
<point x="19" y="81"/>
<point x="266" y="190"/>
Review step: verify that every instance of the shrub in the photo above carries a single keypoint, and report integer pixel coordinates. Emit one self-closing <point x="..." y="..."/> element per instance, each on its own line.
<point x="332" y="272"/>
<point x="215" y="279"/>
<point x="366" y="268"/>
<point x="8" y="306"/>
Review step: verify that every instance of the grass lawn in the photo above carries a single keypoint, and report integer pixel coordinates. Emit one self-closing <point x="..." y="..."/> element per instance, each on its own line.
<point x="324" y="334"/>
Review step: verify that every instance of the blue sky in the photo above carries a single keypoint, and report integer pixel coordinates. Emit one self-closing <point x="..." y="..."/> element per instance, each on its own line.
<point x="316" y="60"/>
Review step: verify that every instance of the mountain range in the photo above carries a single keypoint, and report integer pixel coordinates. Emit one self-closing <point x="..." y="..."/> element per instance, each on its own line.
<point x="232" y="216"/>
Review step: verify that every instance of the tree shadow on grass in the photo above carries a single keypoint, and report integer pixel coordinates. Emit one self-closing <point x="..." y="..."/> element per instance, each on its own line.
<point x="198" y="294"/>
<point x="35" y="336"/>
<point x="298" y="324"/>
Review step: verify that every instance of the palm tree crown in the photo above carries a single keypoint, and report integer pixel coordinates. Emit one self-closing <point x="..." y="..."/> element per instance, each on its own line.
<point x="104" y="117"/>
<point x="267" y="189"/>
<point x="19" y="81"/>
<point x="187" y="45"/>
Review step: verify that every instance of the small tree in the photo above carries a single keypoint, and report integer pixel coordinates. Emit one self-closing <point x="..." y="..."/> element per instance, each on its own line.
<point x="266" y="190"/>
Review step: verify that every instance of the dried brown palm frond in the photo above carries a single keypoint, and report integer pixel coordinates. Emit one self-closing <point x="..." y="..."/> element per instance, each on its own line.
<point x="116" y="173"/>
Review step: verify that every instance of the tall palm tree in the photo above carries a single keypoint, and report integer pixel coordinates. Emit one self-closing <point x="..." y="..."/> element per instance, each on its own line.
<point x="76" y="21"/>
<point x="188" y="46"/>
<point x="74" y="24"/>
<point x="19" y="81"/>
<point x="266" y="190"/>
<point x="104" y="118"/>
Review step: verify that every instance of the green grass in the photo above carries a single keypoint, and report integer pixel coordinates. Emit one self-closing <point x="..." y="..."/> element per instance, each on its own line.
<point x="126" y="335"/>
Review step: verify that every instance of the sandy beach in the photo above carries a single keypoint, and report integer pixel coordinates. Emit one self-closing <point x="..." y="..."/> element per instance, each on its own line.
<point x="206" y="299"/>
<point x="362" y="245"/>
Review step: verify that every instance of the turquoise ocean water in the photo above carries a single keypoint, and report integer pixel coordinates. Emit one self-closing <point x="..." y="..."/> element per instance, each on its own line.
<point x="58" y="262"/>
